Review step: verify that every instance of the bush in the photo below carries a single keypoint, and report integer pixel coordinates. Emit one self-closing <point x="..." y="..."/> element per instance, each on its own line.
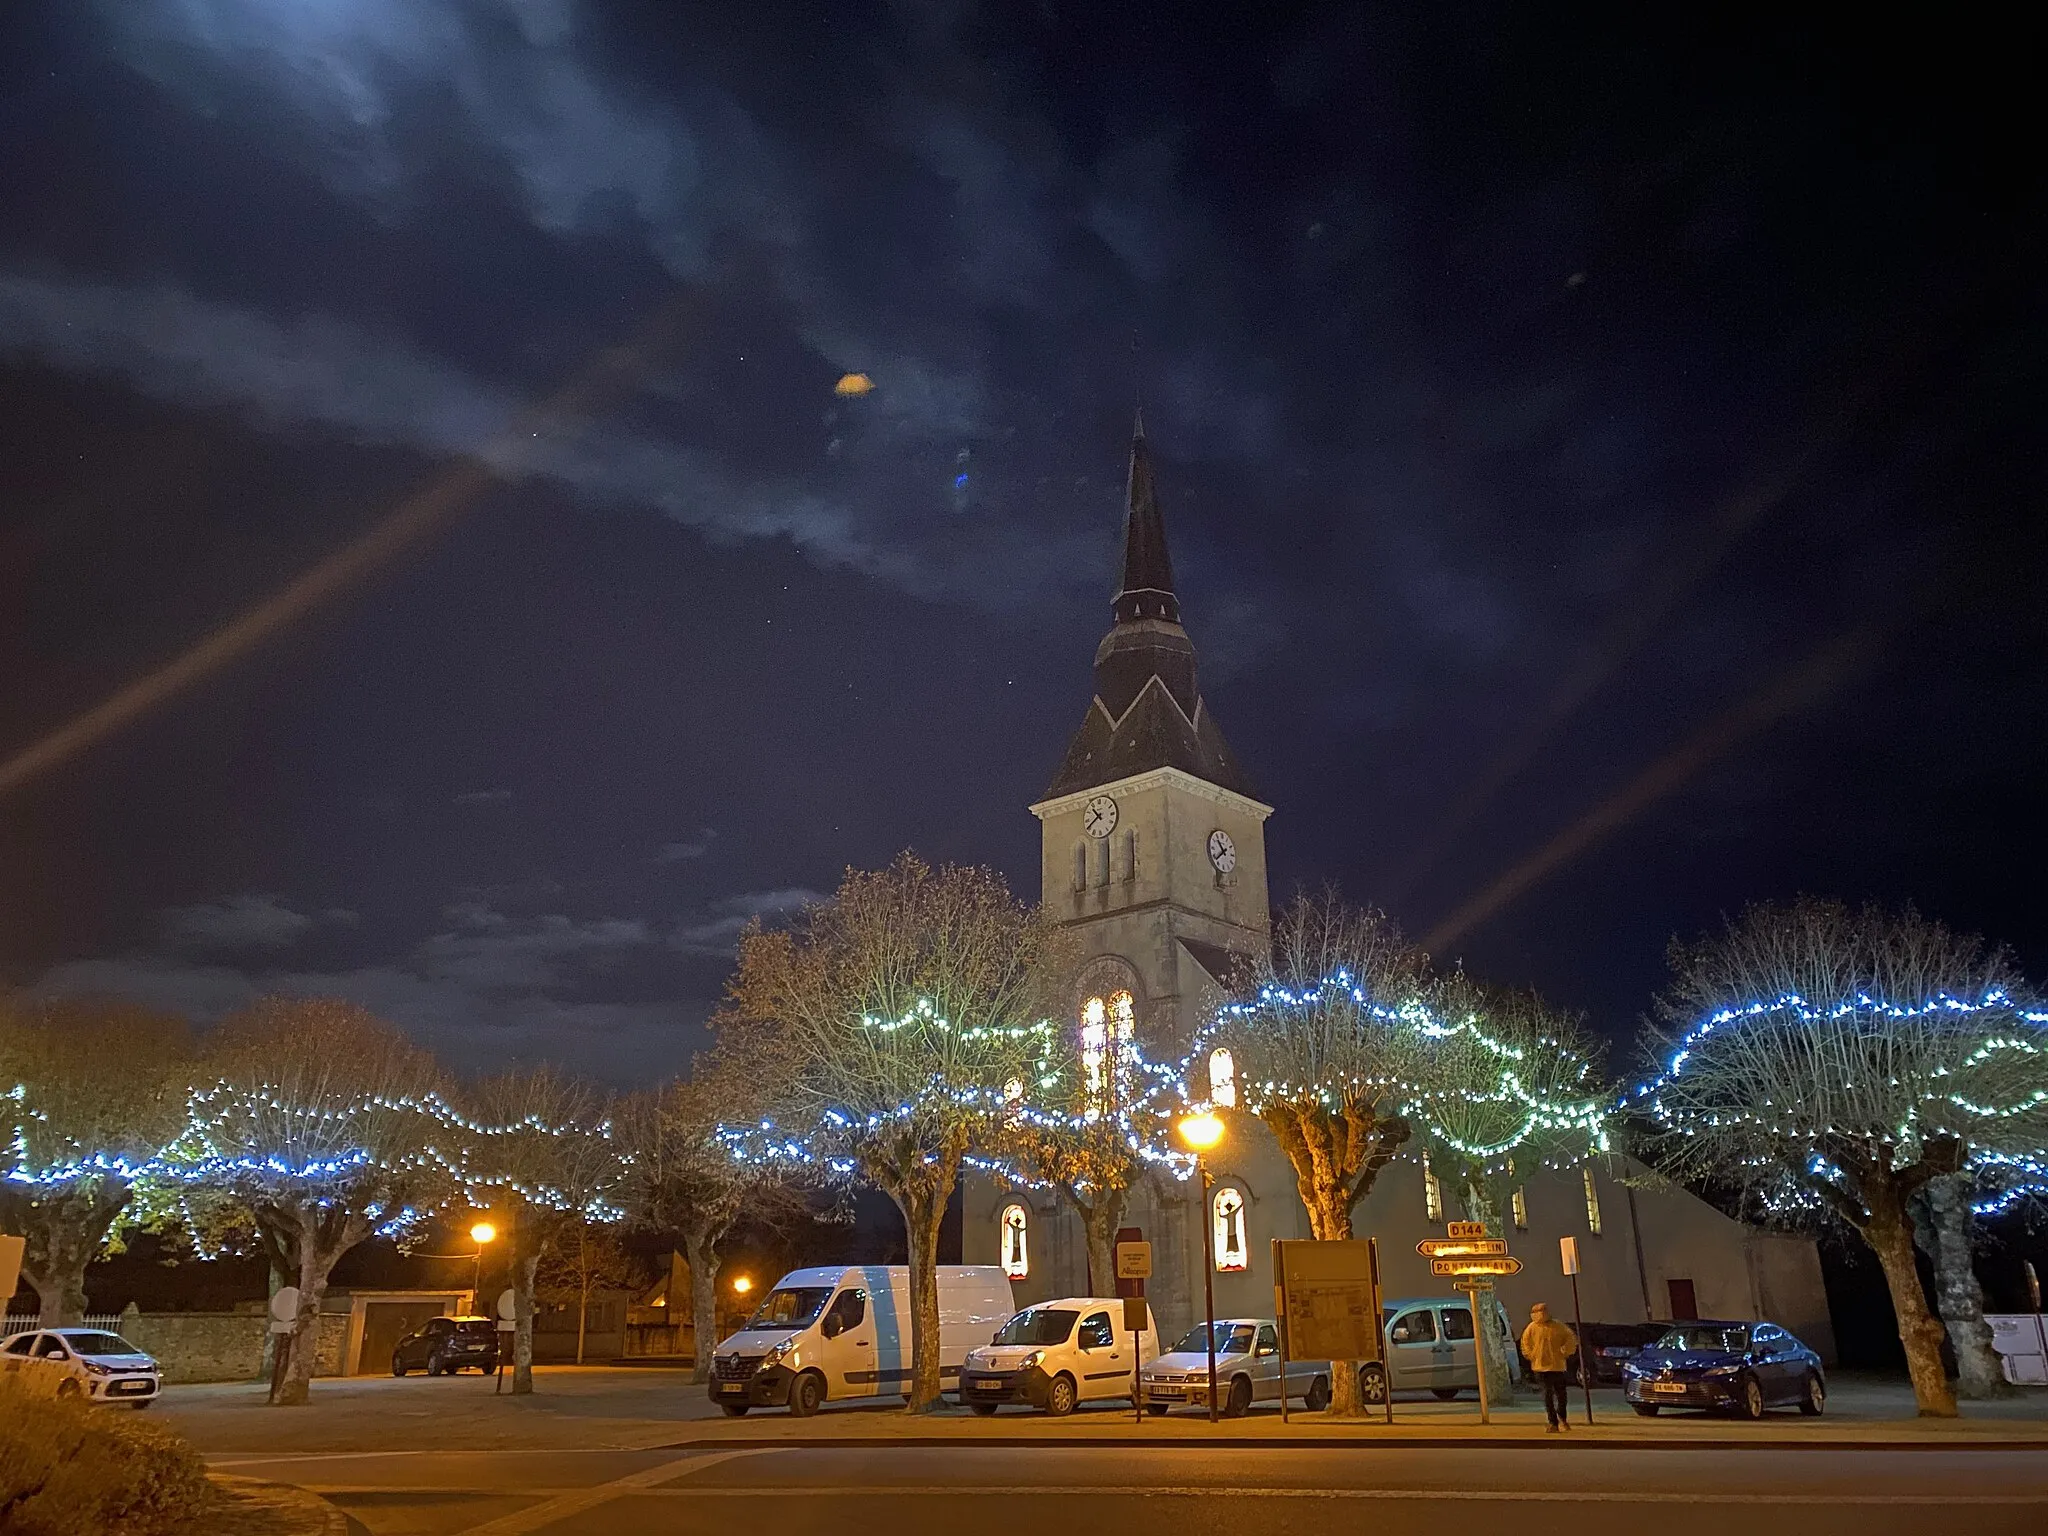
<point x="67" y="1469"/>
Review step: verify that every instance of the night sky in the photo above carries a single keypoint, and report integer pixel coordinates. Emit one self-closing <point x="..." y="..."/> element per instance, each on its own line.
<point x="1574" y="435"/>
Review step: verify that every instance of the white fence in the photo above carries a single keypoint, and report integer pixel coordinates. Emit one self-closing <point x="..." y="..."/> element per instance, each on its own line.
<point x="2021" y="1339"/>
<point x="25" y="1322"/>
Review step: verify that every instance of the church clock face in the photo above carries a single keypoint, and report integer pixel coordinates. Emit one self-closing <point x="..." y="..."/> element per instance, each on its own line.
<point x="1098" y="817"/>
<point x="1222" y="851"/>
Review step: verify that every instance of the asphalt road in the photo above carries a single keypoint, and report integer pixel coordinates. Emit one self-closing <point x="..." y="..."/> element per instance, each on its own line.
<point x="965" y="1490"/>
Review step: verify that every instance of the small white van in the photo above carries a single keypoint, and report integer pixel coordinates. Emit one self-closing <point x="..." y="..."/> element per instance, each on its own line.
<point x="823" y="1335"/>
<point x="1057" y="1355"/>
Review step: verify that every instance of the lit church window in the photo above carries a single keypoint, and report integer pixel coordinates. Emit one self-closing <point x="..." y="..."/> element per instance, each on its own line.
<point x="1016" y="1251"/>
<point x="1108" y="1049"/>
<point x="1592" y="1204"/>
<point x="1520" y="1204"/>
<point x="1222" y="1079"/>
<point x="1432" y="1192"/>
<point x="1229" y="1229"/>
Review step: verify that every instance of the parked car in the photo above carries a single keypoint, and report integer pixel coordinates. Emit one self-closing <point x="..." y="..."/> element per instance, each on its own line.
<point x="1429" y="1347"/>
<point x="91" y="1363"/>
<point x="1057" y="1355"/>
<point x="1247" y="1370"/>
<point x="823" y="1335"/>
<point x="446" y="1345"/>
<point x="1740" y="1368"/>
<point x="1605" y="1347"/>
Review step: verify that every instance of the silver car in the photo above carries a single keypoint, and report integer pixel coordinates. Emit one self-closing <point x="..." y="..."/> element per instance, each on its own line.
<point x="1247" y="1370"/>
<point x="91" y="1363"/>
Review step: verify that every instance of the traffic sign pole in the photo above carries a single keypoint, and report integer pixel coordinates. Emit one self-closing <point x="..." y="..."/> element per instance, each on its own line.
<point x="1473" y="1295"/>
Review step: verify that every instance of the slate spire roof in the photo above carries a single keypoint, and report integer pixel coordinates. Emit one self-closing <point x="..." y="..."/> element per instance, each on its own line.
<point x="1148" y="710"/>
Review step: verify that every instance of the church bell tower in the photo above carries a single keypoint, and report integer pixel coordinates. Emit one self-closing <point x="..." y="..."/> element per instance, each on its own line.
<point x="1153" y="840"/>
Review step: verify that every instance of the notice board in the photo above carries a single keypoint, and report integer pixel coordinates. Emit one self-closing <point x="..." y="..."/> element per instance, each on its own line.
<point x="1328" y="1298"/>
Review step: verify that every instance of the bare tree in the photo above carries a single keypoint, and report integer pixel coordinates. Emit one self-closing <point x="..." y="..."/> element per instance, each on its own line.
<point x="686" y="1180"/>
<point x="537" y="1152"/>
<point x="1325" y="1039"/>
<point x="892" y="1018"/>
<point x="1511" y="1087"/>
<point x="96" y="1088"/>
<point x="1836" y="1061"/>
<point x="322" y="1121"/>
<point x="584" y="1257"/>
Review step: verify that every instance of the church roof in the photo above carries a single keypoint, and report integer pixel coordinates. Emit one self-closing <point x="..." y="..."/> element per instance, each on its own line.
<point x="1224" y="966"/>
<point x="1148" y="710"/>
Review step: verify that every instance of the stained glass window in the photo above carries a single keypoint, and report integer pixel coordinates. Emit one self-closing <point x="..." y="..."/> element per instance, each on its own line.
<point x="1231" y="1246"/>
<point x="1222" y="1079"/>
<point x="1016" y="1228"/>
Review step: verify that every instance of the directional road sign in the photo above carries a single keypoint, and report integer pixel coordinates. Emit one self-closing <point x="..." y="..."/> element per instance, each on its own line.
<point x="1437" y="1247"/>
<point x="1457" y="1229"/>
<point x="1475" y="1266"/>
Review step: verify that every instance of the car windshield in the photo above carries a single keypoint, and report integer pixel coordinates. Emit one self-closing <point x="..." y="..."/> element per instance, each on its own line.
<point x="1231" y="1339"/>
<point x="1697" y="1338"/>
<point x="100" y="1344"/>
<point x="1038" y="1325"/>
<point x="795" y="1306"/>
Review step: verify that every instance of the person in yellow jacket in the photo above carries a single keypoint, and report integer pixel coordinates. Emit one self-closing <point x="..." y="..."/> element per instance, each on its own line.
<point x="1550" y="1346"/>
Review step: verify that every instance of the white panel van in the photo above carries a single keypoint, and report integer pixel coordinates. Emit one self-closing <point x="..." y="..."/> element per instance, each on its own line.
<point x="824" y="1335"/>
<point x="1057" y="1355"/>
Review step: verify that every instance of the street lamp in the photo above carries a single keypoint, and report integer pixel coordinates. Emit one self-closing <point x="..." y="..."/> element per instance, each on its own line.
<point x="1203" y="1133"/>
<point x="483" y="1232"/>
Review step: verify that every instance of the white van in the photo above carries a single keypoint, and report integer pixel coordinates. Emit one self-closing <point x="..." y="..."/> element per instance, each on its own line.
<point x="1057" y="1355"/>
<point x="823" y="1335"/>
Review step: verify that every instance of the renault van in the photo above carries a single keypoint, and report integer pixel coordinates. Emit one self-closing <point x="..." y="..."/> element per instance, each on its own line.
<point x="1057" y="1355"/>
<point x="825" y="1335"/>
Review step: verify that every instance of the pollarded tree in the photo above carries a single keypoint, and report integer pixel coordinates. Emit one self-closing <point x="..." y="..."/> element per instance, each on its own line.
<point x="685" y="1179"/>
<point x="324" y="1123"/>
<point x="536" y="1150"/>
<point x="584" y="1257"/>
<point x="1511" y="1087"/>
<point x="1326" y="1039"/>
<point x="1834" y="1061"/>
<point x="891" y="1019"/>
<point x="91" y="1090"/>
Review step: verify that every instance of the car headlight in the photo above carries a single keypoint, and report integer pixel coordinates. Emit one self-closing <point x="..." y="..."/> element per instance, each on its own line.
<point x="778" y="1353"/>
<point x="96" y="1368"/>
<point x="1036" y="1357"/>
<point x="1721" y="1370"/>
<point x="1631" y="1369"/>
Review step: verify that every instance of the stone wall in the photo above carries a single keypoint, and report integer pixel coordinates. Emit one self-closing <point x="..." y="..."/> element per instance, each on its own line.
<point x="200" y="1346"/>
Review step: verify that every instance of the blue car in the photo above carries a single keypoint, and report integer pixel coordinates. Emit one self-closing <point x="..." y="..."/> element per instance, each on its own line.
<point x="1738" y="1368"/>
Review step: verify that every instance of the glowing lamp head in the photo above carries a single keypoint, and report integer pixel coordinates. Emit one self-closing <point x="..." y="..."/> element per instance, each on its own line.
<point x="483" y="1232"/>
<point x="1201" y="1132"/>
<point x="741" y="1285"/>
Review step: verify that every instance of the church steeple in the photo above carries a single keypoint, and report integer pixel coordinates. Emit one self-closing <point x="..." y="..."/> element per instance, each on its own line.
<point x="1147" y="591"/>
<point x="1148" y="711"/>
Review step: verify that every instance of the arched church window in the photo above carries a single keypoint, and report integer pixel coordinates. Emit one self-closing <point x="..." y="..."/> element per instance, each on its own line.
<point x="1081" y="866"/>
<point x="1432" y="1192"/>
<point x="1222" y="1079"/>
<point x="1592" y="1203"/>
<point x="1109" y="1027"/>
<point x="1227" y="1227"/>
<point x="1015" y="1229"/>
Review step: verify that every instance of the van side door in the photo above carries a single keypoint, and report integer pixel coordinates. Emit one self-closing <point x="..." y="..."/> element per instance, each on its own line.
<point x="1416" y="1357"/>
<point x="847" y="1330"/>
<point x="1460" y="1357"/>
<point x="1104" y="1369"/>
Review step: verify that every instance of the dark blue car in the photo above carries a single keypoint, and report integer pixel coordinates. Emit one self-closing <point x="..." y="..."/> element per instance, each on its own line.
<point x="1739" y="1368"/>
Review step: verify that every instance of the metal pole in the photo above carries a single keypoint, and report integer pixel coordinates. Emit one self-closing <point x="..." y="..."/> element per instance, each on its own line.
<point x="1208" y="1287"/>
<point x="2040" y="1330"/>
<point x="1280" y="1327"/>
<point x="1585" y="1357"/>
<point x="1478" y="1351"/>
<point x="1379" y="1323"/>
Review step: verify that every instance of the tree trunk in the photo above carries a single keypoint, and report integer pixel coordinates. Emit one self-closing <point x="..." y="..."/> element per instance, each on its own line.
<point x="1480" y="1205"/>
<point x="1329" y="1220"/>
<point x="316" y="1263"/>
<point x="66" y="1229"/>
<point x="1945" y="1235"/>
<point x="700" y="1255"/>
<point x="1100" y="1221"/>
<point x="1889" y="1232"/>
<point x="522" y="1315"/>
<point x="582" y="1319"/>
<point x="922" y="1200"/>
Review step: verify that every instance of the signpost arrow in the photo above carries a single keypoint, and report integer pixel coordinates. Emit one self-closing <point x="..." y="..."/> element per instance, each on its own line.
<point x="1436" y="1247"/>
<point x="1501" y="1266"/>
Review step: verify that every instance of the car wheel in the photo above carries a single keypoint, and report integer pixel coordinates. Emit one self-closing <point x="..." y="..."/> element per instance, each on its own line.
<point x="398" y="1366"/>
<point x="1318" y="1397"/>
<point x="142" y="1405"/>
<point x="806" y="1395"/>
<point x="1060" y="1396"/>
<point x="1749" y="1398"/>
<point x="67" y="1389"/>
<point x="734" y="1410"/>
<point x="1815" y="1398"/>
<point x="1239" y="1403"/>
<point x="1446" y="1394"/>
<point x="984" y="1410"/>
<point x="1157" y="1410"/>
<point x="1646" y="1410"/>
<point x="1372" y="1383"/>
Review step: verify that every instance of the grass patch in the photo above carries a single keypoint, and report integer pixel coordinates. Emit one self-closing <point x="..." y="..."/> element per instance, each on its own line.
<point x="68" y="1469"/>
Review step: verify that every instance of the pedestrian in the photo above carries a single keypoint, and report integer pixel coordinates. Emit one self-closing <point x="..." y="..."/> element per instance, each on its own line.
<point x="1549" y="1346"/>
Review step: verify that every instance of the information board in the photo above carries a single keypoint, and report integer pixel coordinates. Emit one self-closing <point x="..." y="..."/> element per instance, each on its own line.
<point x="1328" y="1296"/>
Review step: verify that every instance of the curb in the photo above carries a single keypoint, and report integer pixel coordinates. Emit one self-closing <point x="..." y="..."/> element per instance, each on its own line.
<point x="307" y="1514"/>
<point x="1325" y="1443"/>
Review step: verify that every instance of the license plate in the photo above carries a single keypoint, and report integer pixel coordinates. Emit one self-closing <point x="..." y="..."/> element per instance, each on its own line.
<point x="988" y="1386"/>
<point x="1167" y="1391"/>
<point x="731" y="1388"/>
<point x="1673" y="1388"/>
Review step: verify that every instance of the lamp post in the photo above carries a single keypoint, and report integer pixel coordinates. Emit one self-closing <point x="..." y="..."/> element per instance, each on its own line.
<point x="483" y="1232"/>
<point x="1203" y="1133"/>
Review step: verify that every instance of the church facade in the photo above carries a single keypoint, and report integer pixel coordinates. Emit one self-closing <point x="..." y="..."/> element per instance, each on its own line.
<point x="1153" y="853"/>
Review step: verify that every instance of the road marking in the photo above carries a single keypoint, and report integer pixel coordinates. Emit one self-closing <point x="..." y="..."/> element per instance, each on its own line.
<point x="1469" y="1495"/>
<point x="548" y="1512"/>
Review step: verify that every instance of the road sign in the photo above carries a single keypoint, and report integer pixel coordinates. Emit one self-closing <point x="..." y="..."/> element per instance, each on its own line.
<point x="284" y="1309"/>
<point x="1437" y="1247"/>
<point x="1568" y="1250"/>
<point x="1457" y="1229"/>
<point x="1475" y="1266"/>
<point x="1134" y="1314"/>
<point x="1472" y="1287"/>
<point x="1134" y="1261"/>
